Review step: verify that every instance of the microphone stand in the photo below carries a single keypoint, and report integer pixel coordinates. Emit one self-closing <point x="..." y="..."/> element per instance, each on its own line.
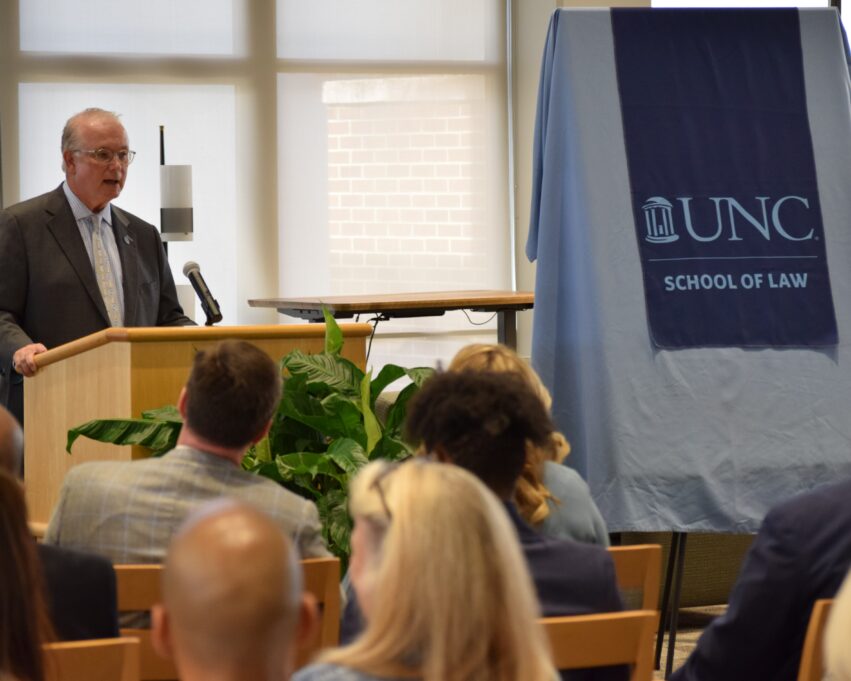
<point x="162" y="163"/>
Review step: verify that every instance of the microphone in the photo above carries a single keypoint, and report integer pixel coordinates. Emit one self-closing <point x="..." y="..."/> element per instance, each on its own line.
<point x="209" y="304"/>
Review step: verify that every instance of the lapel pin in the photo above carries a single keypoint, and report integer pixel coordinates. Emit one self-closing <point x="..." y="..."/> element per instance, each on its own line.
<point x="127" y="239"/>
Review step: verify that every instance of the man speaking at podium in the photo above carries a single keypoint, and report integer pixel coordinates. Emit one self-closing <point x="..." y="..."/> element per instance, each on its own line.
<point x="72" y="264"/>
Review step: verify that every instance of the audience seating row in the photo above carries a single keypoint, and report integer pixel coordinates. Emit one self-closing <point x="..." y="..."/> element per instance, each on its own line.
<point x="637" y="569"/>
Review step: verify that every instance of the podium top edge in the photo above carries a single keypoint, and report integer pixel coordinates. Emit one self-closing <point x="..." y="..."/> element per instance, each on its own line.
<point x="158" y="334"/>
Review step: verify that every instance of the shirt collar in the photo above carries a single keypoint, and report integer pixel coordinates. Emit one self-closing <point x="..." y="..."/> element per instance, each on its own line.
<point x="81" y="211"/>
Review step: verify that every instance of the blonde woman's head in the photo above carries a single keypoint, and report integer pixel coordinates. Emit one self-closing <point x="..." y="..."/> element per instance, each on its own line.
<point x="441" y="579"/>
<point x="502" y="359"/>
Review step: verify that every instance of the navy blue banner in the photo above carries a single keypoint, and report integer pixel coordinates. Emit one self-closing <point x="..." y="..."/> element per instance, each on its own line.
<point x="723" y="178"/>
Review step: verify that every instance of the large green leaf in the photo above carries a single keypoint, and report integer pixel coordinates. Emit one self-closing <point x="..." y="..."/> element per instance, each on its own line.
<point x="298" y="398"/>
<point x="370" y="423"/>
<point x="348" y="455"/>
<point x="388" y="374"/>
<point x="167" y="413"/>
<point x="289" y="435"/>
<point x="390" y="448"/>
<point x="340" y="417"/>
<point x="391" y="372"/>
<point x="308" y="463"/>
<point x="333" y="333"/>
<point x="420" y="375"/>
<point x="158" y="436"/>
<point x="336" y="524"/>
<point x="262" y="451"/>
<point x="398" y="410"/>
<point x="265" y="469"/>
<point x="325" y="371"/>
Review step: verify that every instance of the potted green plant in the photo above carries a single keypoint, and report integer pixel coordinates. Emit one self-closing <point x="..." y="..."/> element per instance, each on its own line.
<point x="324" y="431"/>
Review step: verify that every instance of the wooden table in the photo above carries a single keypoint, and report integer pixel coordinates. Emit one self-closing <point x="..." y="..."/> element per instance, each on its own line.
<point x="387" y="306"/>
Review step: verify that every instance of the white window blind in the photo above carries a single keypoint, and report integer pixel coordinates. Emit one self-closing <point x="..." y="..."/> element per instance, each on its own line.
<point x="174" y="27"/>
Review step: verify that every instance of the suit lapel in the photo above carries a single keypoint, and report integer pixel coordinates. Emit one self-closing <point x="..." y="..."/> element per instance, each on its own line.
<point x="128" y="251"/>
<point x="64" y="228"/>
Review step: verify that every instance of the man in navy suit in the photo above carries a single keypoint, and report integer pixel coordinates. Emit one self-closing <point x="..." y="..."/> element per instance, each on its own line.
<point x="80" y="586"/>
<point x="72" y="263"/>
<point x="802" y="553"/>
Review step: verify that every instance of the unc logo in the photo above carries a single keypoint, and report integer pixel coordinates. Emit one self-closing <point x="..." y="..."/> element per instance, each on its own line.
<point x="763" y="215"/>
<point x="659" y="221"/>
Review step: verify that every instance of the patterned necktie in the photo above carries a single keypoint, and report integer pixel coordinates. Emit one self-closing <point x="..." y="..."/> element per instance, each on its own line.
<point x="104" y="273"/>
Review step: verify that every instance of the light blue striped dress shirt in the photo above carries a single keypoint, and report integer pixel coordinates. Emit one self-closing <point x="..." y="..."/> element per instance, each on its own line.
<point x="81" y="212"/>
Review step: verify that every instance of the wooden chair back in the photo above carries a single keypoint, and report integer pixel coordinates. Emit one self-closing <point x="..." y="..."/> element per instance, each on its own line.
<point x="638" y="569"/>
<point x="138" y="589"/>
<point x="37" y="530"/>
<point x="105" y="659"/>
<point x="812" y="655"/>
<point x="322" y="579"/>
<point x="607" y="639"/>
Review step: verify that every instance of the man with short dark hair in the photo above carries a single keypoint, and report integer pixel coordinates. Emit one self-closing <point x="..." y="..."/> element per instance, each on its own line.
<point x="128" y="511"/>
<point x="234" y="391"/>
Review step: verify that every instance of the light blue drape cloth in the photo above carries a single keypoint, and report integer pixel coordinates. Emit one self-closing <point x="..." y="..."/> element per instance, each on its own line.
<point x="695" y="439"/>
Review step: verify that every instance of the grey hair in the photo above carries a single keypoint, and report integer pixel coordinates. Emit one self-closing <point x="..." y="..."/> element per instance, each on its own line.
<point x="69" y="132"/>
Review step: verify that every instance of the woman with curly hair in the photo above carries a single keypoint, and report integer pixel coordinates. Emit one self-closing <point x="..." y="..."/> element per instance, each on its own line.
<point x="550" y="496"/>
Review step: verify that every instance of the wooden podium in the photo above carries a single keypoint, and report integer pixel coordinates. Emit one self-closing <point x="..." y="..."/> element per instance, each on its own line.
<point x="120" y="372"/>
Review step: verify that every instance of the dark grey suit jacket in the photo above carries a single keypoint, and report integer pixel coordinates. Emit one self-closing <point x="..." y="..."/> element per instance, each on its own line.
<point x="48" y="290"/>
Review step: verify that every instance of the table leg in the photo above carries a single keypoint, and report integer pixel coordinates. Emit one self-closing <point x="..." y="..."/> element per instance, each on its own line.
<point x="506" y="328"/>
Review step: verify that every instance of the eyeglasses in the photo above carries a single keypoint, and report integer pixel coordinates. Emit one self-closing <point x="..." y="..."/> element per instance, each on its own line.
<point x="376" y="484"/>
<point x="106" y="156"/>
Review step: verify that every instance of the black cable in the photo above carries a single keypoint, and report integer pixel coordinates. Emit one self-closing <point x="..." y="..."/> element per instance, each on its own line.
<point x="375" y="320"/>
<point x="488" y="320"/>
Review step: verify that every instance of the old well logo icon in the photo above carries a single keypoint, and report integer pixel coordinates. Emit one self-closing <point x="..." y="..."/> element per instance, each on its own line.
<point x="659" y="221"/>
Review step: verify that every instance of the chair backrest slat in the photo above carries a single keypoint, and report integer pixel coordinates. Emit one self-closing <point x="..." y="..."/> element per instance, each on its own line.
<point x="638" y="568"/>
<point x="603" y="640"/>
<point x="105" y="659"/>
<point x="138" y="589"/>
<point x="812" y="654"/>
<point x="322" y="579"/>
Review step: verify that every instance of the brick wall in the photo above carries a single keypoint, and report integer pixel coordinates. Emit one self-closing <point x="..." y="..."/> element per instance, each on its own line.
<point x="406" y="183"/>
